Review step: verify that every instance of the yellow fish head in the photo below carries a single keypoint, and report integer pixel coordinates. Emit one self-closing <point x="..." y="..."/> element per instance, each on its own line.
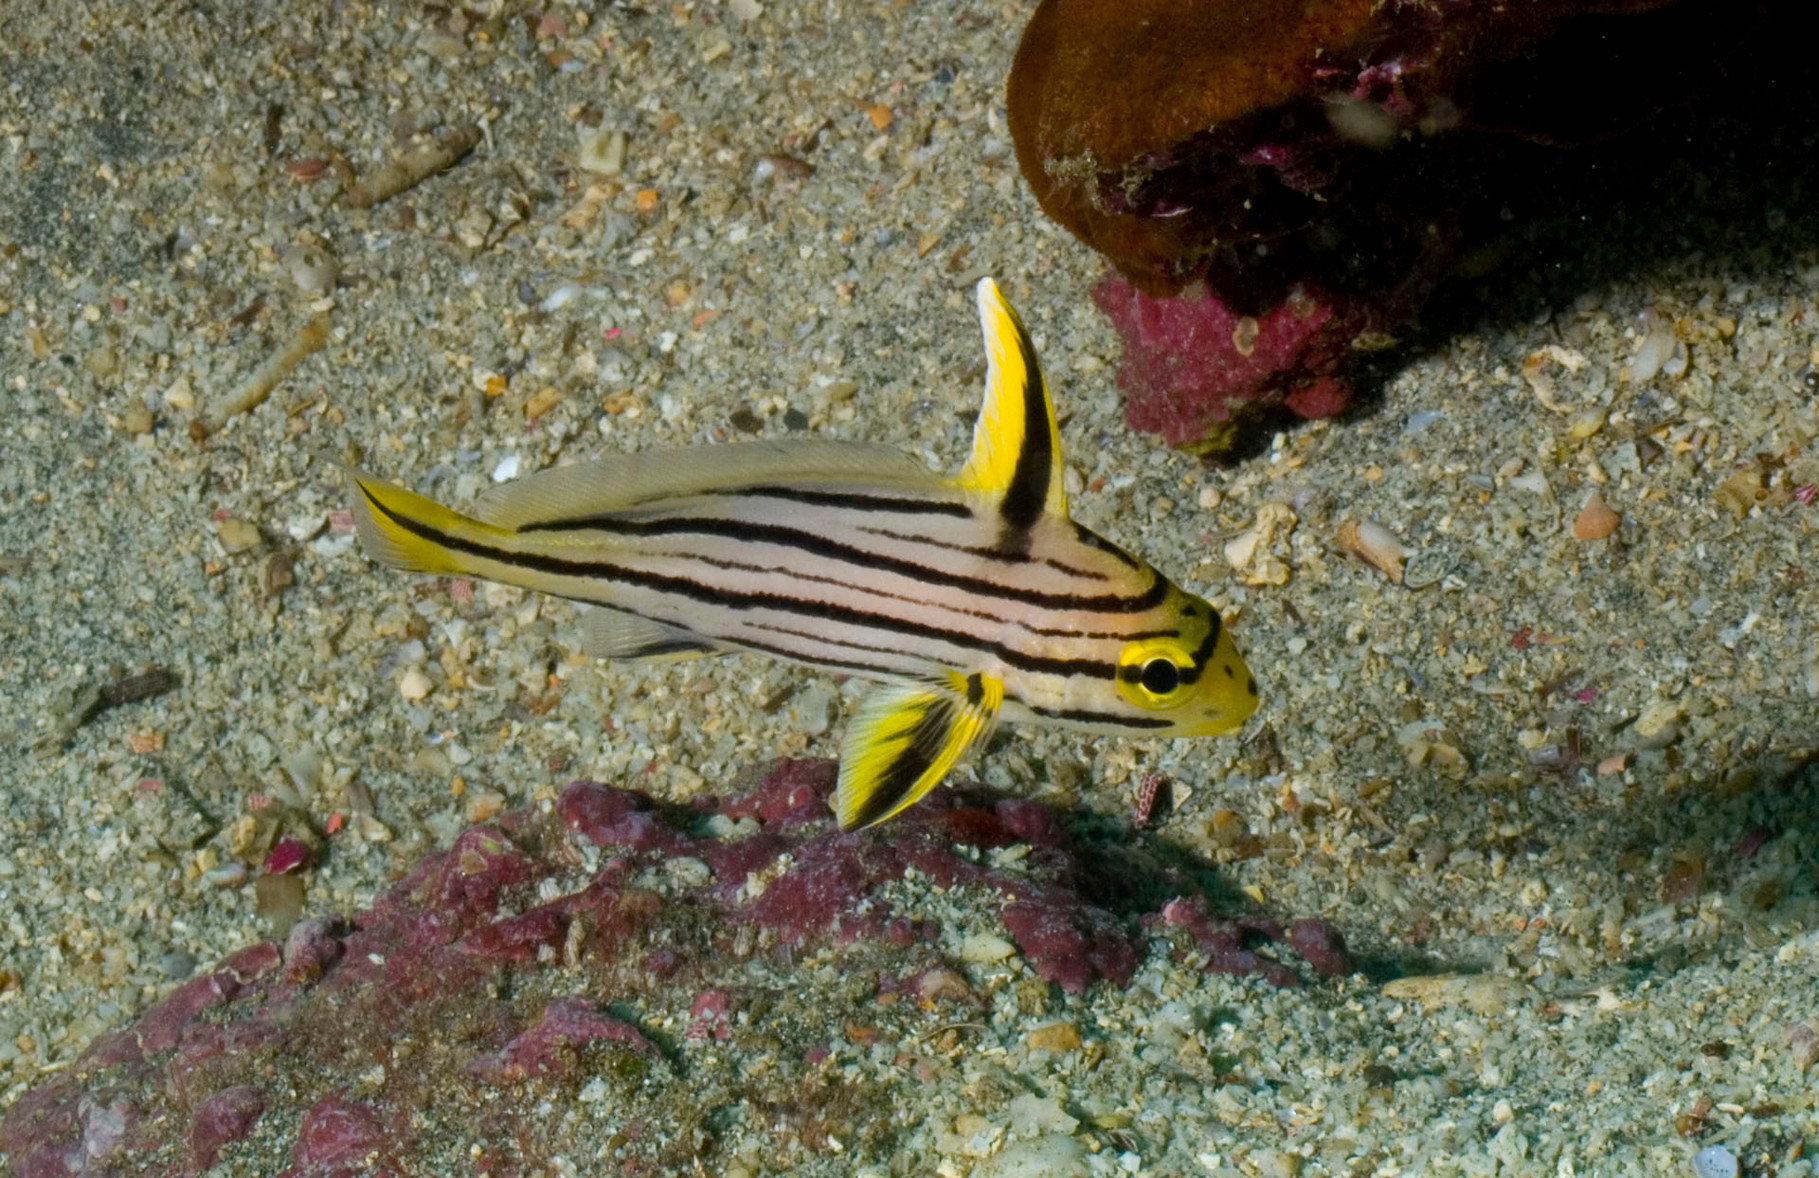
<point x="1195" y="678"/>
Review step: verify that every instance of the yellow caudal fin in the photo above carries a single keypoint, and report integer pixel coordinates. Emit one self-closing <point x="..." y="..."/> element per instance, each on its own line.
<point x="906" y="738"/>
<point x="403" y="529"/>
<point x="1016" y="459"/>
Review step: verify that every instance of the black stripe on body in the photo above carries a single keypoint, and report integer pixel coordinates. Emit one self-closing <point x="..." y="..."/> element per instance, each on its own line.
<point x="854" y="501"/>
<point x="738" y="601"/>
<point x="1088" y="716"/>
<point x="997" y="554"/>
<point x="786" y="537"/>
<point x="1202" y="654"/>
<point x="1093" y="539"/>
<point x="1026" y="496"/>
<point x="739" y="566"/>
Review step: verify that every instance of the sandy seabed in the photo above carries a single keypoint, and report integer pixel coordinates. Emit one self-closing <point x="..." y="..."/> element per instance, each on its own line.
<point x="1565" y="778"/>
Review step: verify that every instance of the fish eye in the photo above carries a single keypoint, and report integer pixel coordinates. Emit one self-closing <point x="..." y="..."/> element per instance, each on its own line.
<point x="1156" y="673"/>
<point x="1160" y="676"/>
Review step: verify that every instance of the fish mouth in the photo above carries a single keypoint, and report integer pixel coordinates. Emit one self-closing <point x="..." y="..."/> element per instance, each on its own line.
<point x="1215" y="725"/>
<point x="1223" y="720"/>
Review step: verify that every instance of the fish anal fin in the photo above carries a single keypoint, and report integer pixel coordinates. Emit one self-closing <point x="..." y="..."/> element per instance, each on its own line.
<point x="614" y="634"/>
<point x="906" y="738"/>
<point x="1016" y="458"/>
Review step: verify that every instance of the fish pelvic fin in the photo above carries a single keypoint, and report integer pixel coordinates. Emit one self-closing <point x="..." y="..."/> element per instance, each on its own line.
<point x="608" y="633"/>
<point x="408" y="531"/>
<point x="1016" y="458"/>
<point x="906" y="738"/>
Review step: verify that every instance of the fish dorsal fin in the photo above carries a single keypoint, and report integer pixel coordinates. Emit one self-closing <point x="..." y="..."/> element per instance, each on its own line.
<point x="626" y="480"/>
<point x="608" y="633"/>
<point x="906" y="737"/>
<point x="1016" y="459"/>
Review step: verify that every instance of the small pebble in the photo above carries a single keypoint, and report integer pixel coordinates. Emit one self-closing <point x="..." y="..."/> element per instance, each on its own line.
<point x="236" y="534"/>
<point x="984" y="949"/>
<point x="601" y="150"/>
<point x="1595" y="520"/>
<point x="1715" y="1161"/>
<point x="1054" y="1037"/>
<point x="1803" y="1039"/>
<point x="415" y="685"/>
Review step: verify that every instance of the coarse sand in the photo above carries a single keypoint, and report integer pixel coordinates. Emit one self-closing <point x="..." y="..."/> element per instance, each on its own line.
<point x="1554" y="786"/>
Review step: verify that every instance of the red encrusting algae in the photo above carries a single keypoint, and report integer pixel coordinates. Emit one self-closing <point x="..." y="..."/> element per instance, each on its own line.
<point x="520" y="956"/>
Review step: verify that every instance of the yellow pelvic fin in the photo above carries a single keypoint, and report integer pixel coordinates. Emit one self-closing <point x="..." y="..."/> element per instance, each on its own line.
<point x="1016" y="457"/>
<point x="906" y="738"/>
<point x="392" y="523"/>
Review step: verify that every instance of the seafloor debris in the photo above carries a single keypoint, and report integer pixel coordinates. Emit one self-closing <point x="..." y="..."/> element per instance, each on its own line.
<point x="1376" y="546"/>
<point x="1280" y="186"/>
<point x="639" y="952"/>
<point x="413" y="168"/>
<point x="89" y="700"/>
<point x="1596" y="520"/>
<point x="259" y="385"/>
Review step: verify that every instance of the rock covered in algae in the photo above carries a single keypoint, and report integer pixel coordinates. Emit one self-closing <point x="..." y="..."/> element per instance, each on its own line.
<point x="631" y="959"/>
<point x="1278" y="186"/>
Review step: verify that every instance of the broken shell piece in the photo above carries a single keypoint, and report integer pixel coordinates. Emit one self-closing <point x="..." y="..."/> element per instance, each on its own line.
<point x="1249" y="551"/>
<point x="1595" y="520"/>
<point x="1376" y="546"/>
<point x="1542" y="382"/>
<point x="1803" y="1039"/>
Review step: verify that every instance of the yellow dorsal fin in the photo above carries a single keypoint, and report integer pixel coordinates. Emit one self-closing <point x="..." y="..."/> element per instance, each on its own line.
<point x="1016" y="457"/>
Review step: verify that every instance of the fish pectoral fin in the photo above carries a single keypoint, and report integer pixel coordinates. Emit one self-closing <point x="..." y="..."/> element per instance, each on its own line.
<point x="1016" y="458"/>
<point x="614" y="634"/>
<point x="906" y="737"/>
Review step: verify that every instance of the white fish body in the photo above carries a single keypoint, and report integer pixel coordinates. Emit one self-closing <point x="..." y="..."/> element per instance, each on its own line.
<point x="972" y="598"/>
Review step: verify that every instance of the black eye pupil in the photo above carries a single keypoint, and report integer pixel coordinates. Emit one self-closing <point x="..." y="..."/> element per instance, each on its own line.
<point x="1160" y="677"/>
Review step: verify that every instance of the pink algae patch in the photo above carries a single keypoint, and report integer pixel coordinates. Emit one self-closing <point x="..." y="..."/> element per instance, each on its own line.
<point x="504" y="965"/>
<point x="1192" y="362"/>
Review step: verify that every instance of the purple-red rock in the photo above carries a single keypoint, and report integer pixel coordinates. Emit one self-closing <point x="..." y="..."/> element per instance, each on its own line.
<point x="342" y="1138"/>
<point x="1234" y="946"/>
<point x="552" y="1046"/>
<point x="222" y="1119"/>
<point x="605" y="939"/>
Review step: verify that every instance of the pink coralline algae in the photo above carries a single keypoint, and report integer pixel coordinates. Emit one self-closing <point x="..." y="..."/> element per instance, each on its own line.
<point x="1233" y="946"/>
<point x="606" y="940"/>
<point x="1282" y="186"/>
<point x="1190" y="359"/>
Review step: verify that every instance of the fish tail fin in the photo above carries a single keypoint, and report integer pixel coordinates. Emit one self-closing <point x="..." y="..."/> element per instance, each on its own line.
<point x="408" y="531"/>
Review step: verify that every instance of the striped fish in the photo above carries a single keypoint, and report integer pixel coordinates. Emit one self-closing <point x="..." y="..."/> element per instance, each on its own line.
<point x="972" y="599"/>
